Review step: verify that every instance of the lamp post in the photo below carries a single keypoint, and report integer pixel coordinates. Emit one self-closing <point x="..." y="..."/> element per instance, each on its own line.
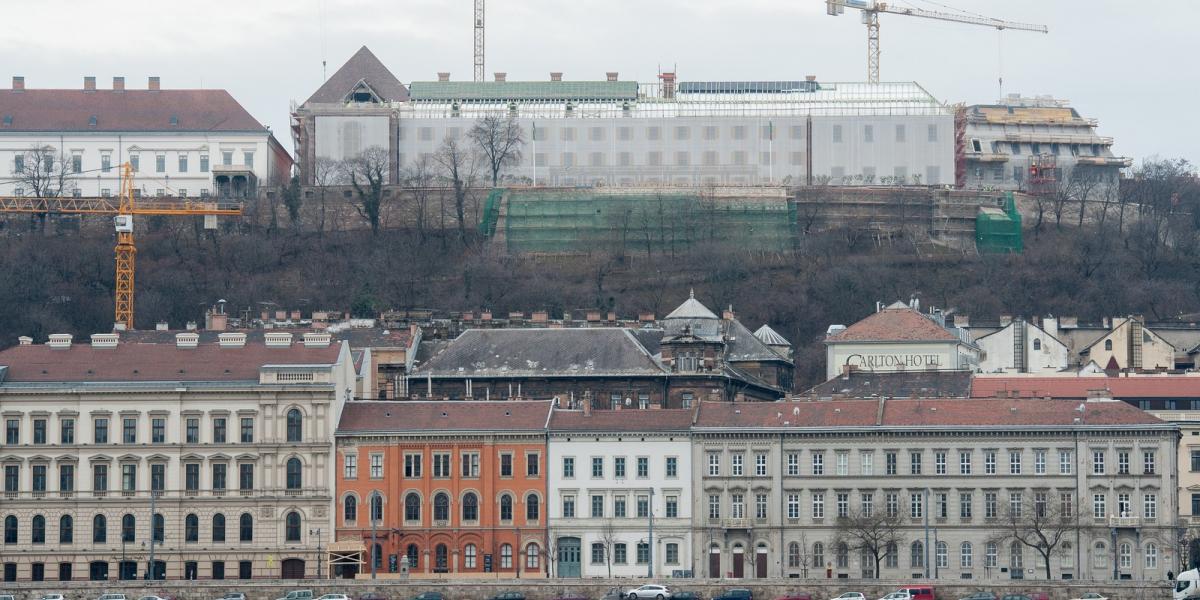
<point x="317" y="532"/>
<point x="650" y="545"/>
<point x="150" y="561"/>
<point x="371" y="509"/>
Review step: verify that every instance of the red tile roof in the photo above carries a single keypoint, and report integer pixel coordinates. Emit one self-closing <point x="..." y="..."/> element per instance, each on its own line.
<point x="416" y="416"/>
<point x="154" y="362"/>
<point x="894" y="325"/>
<point x="957" y="412"/>
<point x="622" y="420"/>
<point x="1160" y="386"/>
<point x="130" y="110"/>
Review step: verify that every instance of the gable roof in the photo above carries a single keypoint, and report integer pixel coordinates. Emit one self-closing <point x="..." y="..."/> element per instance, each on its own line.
<point x="894" y="324"/>
<point x="368" y="416"/>
<point x="541" y="353"/>
<point x="1030" y="323"/>
<point x="129" y="110"/>
<point x="364" y="66"/>
<point x="1152" y="386"/>
<point x="1087" y="349"/>
<point x="667" y="419"/>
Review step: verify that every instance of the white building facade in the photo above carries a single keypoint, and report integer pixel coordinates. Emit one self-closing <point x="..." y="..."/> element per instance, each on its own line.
<point x="1020" y="346"/>
<point x="899" y="337"/>
<point x="620" y="493"/>
<point x="198" y="461"/>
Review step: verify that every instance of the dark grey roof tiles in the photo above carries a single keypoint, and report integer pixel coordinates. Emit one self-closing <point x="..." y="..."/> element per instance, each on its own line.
<point x="542" y="353"/>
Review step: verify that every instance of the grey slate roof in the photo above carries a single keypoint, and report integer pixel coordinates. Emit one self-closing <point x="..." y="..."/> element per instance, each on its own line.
<point x="745" y="346"/>
<point x="542" y="353"/>
<point x="771" y="337"/>
<point x="363" y="66"/>
<point x="692" y="309"/>
<point x="903" y="384"/>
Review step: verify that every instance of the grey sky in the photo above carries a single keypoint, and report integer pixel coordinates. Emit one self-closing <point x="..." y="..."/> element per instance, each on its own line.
<point x="1125" y="63"/>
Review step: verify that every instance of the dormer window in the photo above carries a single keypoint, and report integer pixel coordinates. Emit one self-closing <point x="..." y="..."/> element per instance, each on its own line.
<point x="8" y="120"/>
<point x="93" y="121"/>
<point x="174" y="120"/>
<point x="362" y="96"/>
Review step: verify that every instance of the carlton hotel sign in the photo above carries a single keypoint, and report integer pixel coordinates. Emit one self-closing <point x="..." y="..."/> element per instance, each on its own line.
<point x="897" y="361"/>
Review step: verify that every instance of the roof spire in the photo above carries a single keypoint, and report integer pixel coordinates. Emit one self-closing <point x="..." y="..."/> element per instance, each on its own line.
<point x="691" y="293"/>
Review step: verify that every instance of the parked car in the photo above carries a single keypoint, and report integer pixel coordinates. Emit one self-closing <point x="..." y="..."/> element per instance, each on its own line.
<point x="855" y="596"/>
<point x="233" y="596"/>
<point x="57" y="597"/>
<point x="686" y="596"/>
<point x="6" y="597"/>
<point x="613" y="594"/>
<point x="295" y="595"/>
<point x="898" y="595"/>
<point x="980" y="596"/>
<point x="111" y="596"/>
<point x="509" y="596"/>
<point x="430" y="596"/>
<point x="372" y="596"/>
<point x="1091" y="596"/>
<point x="152" y="598"/>
<point x="735" y="594"/>
<point x="919" y="592"/>
<point x="657" y="592"/>
<point x="1038" y="595"/>
<point x="570" y="595"/>
<point x="796" y="596"/>
<point x="1016" y="597"/>
<point x="334" y="597"/>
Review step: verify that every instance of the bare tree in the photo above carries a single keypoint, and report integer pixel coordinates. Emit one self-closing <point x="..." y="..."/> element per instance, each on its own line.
<point x="43" y="173"/>
<point x="418" y="181"/>
<point x="608" y="537"/>
<point x="500" y="140"/>
<point x="458" y="166"/>
<point x="1043" y="524"/>
<point x="326" y="172"/>
<point x="869" y="532"/>
<point x="367" y="173"/>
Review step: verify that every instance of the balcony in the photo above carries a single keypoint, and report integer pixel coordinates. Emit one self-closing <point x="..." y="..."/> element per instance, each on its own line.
<point x="736" y="523"/>
<point x="1115" y="521"/>
<point x="987" y="156"/>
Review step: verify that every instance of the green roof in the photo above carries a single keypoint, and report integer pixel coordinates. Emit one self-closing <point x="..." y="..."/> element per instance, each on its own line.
<point x="503" y="91"/>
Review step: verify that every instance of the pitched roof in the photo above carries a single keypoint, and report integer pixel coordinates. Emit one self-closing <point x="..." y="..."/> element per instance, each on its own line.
<point x="541" y="353"/>
<point x="416" y="416"/>
<point x="1154" y="386"/>
<point x="668" y="419"/>
<point x="691" y="309"/>
<point x="771" y="337"/>
<point x="362" y="67"/>
<point x="894" y="325"/>
<point x="128" y="110"/>
<point x="939" y="413"/>
<point x="899" y="384"/>
<point x="359" y="337"/>
<point x="133" y="362"/>
<point x="745" y="346"/>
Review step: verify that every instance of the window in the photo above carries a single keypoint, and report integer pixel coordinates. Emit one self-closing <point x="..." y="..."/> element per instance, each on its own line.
<point x="1125" y="555"/>
<point x="917" y="555"/>
<point x="941" y="555"/>
<point x="506" y="465"/>
<point x="620" y="554"/>
<point x="219" y="473"/>
<point x="66" y="530"/>
<point x="672" y="504"/>
<point x="793" y="464"/>
<point x="203" y="163"/>
<point x="964" y="463"/>
<point x="843" y="505"/>
<point x="818" y="505"/>
<point x="412" y="466"/>
<point x="412" y="507"/>
<point x="158" y="477"/>
<point x="989" y="462"/>
<point x="568" y="507"/>
<point x="672" y="467"/>
<point x="714" y="506"/>
<point x="868" y="133"/>
<point x="506" y="508"/>
<point x="760" y="464"/>
<point x="441" y="507"/>
<point x="192" y="432"/>
<point x="597" y="467"/>
<point x="294" y="474"/>
<point x="1039" y="462"/>
<point x="1148" y="459"/>
<point x="246" y="528"/>
<point x="1066" y="506"/>
<point x="532" y="464"/>
<point x="900" y="134"/>
<point x="736" y="469"/>
<point x="942" y="504"/>
<point x="135" y="162"/>
<point x="247" y="436"/>
<point x="66" y="432"/>
<point x="219" y="430"/>
<point x="1065" y="462"/>
<point x="218" y="528"/>
<point x="38" y="530"/>
<point x="1099" y="510"/>
<point x="793" y="506"/>
<point x="916" y="505"/>
<point x="100" y="478"/>
<point x="129" y="431"/>
<point x="470" y="507"/>
<point x="506" y="556"/>
<point x="1014" y="462"/>
<point x="842" y="463"/>
<point x="350" y="509"/>
<point x="227" y="157"/>
<point x="619" y="506"/>
<point x="568" y="467"/>
<point x="965" y="502"/>
<point x="160" y="163"/>
<point x="349" y="466"/>
<point x="1151" y="556"/>
<point x="890" y="463"/>
<point x="128" y="528"/>
<point x="100" y="431"/>
<point x="377" y="466"/>
<point x="737" y="506"/>
<point x="470" y="464"/>
<point x="643" y="506"/>
<point x="12" y="478"/>
<point x="866" y="503"/>
<point x="818" y="463"/>
<point x="1150" y="505"/>
<point x="714" y="464"/>
<point x="295" y="423"/>
<point x="248" y="159"/>
<point x="836" y="134"/>
<point x="643" y="553"/>
<point x="1097" y="462"/>
<point x="39" y="478"/>
<point x="1123" y="462"/>
<point x="441" y="465"/>
<point x="990" y="500"/>
<point x="1108" y="345"/>
<point x="892" y="503"/>
<point x="469" y="554"/>
<point x="191" y="528"/>
<point x="1015" y="504"/>
<point x="597" y="506"/>
<point x="66" y="478"/>
<point x="99" y="530"/>
<point x="191" y="477"/>
<point x="532" y="511"/>
<point x="533" y="556"/>
<point x="939" y="463"/>
<point x="760" y="506"/>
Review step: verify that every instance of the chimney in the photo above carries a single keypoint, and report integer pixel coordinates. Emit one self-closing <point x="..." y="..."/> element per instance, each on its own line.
<point x="1050" y="324"/>
<point x="540" y="316"/>
<point x="59" y="341"/>
<point x="1005" y="320"/>
<point x="317" y="340"/>
<point x="668" y="84"/>
<point x="501" y="76"/>
<point x="18" y="83"/>
<point x="727" y="314"/>
<point x="961" y="321"/>
<point x="187" y="340"/>
<point x="587" y="406"/>
<point x="646" y="317"/>
<point x="275" y="339"/>
<point x="443" y="76"/>
<point x="118" y="84"/>
<point x="555" y="75"/>
<point x="295" y="315"/>
<point x="162" y="326"/>
<point x="612" y="75"/>
<point x="232" y="340"/>
<point x="280" y="315"/>
<point x="24" y="341"/>
<point x="485" y="315"/>
<point x="191" y="326"/>
<point x="89" y="84"/>
<point x="153" y="84"/>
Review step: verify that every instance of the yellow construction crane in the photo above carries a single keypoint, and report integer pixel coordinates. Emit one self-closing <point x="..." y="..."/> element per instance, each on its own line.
<point x="870" y="16"/>
<point x="124" y="208"/>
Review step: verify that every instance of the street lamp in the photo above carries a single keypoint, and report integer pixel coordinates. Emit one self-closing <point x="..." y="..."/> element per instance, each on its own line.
<point x="371" y="511"/>
<point x="317" y="532"/>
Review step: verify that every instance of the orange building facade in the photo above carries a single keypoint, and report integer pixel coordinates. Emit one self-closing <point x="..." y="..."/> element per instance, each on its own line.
<point x="453" y="487"/>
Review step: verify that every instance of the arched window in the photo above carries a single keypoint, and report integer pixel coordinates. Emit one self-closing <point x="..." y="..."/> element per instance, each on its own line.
<point x="1037" y="344"/>
<point x="294" y="480"/>
<point x="191" y="528"/>
<point x="506" y="556"/>
<point x="470" y="507"/>
<point x="412" y="507"/>
<point x="38" y="531"/>
<point x="1066" y="558"/>
<point x="941" y="554"/>
<point x="218" y="528"/>
<point x="292" y="532"/>
<point x="843" y="556"/>
<point x="966" y="559"/>
<point x="892" y="559"/>
<point x="1108" y="344"/>
<point x="246" y="528"/>
<point x="295" y="423"/>
<point x="1015" y="560"/>
<point x="991" y="555"/>
<point x="376" y="507"/>
<point x="10" y="529"/>
<point x="1126" y="555"/>
<point x="128" y="528"/>
<point x="159" y="528"/>
<point x="1151" y="556"/>
<point x="441" y="507"/>
<point x="99" y="529"/>
<point x="533" y="556"/>
<point x="793" y="555"/>
<point x="469" y="556"/>
<point x="1100" y="556"/>
<point x="66" y="530"/>
<point x="413" y="556"/>
<point x="506" y="508"/>
<point x="440" y="558"/>
<point x="818" y="554"/>
<point x="350" y="509"/>
<point x="531" y="507"/>
<point x="917" y="557"/>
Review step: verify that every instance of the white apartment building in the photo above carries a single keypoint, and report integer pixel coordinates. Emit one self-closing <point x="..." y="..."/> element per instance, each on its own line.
<point x="776" y="484"/>
<point x="209" y="461"/>
<point x="620" y="493"/>
<point x="181" y="143"/>
<point x="899" y="337"/>
<point x="1021" y="346"/>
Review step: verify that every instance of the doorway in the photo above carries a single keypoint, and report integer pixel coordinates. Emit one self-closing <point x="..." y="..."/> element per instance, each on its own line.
<point x="293" y="568"/>
<point x="569" y="557"/>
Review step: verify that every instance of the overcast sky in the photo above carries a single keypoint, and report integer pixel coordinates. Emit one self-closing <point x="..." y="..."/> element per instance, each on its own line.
<point x="1124" y="62"/>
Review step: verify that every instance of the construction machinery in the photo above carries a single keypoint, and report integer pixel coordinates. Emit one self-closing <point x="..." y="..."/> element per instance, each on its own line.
<point x="479" y="40"/>
<point x="123" y="208"/>
<point x="870" y="16"/>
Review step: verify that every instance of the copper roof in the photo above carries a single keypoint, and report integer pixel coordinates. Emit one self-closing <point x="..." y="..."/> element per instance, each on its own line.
<point x="672" y="419"/>
<point x="416" y="416"/>
<point x="894" y="325"/>
<point x="128" y="110"/>
<point x="131" y="362"/>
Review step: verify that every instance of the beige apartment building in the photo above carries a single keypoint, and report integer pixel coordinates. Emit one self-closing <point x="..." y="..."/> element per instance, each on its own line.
<point x="188" y="460"/>
<point x="774" y="485"/>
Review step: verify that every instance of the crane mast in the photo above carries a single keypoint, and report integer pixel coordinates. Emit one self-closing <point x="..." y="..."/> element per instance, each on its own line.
<point x="870" y="16"/>
<point x="478" y="40"/>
